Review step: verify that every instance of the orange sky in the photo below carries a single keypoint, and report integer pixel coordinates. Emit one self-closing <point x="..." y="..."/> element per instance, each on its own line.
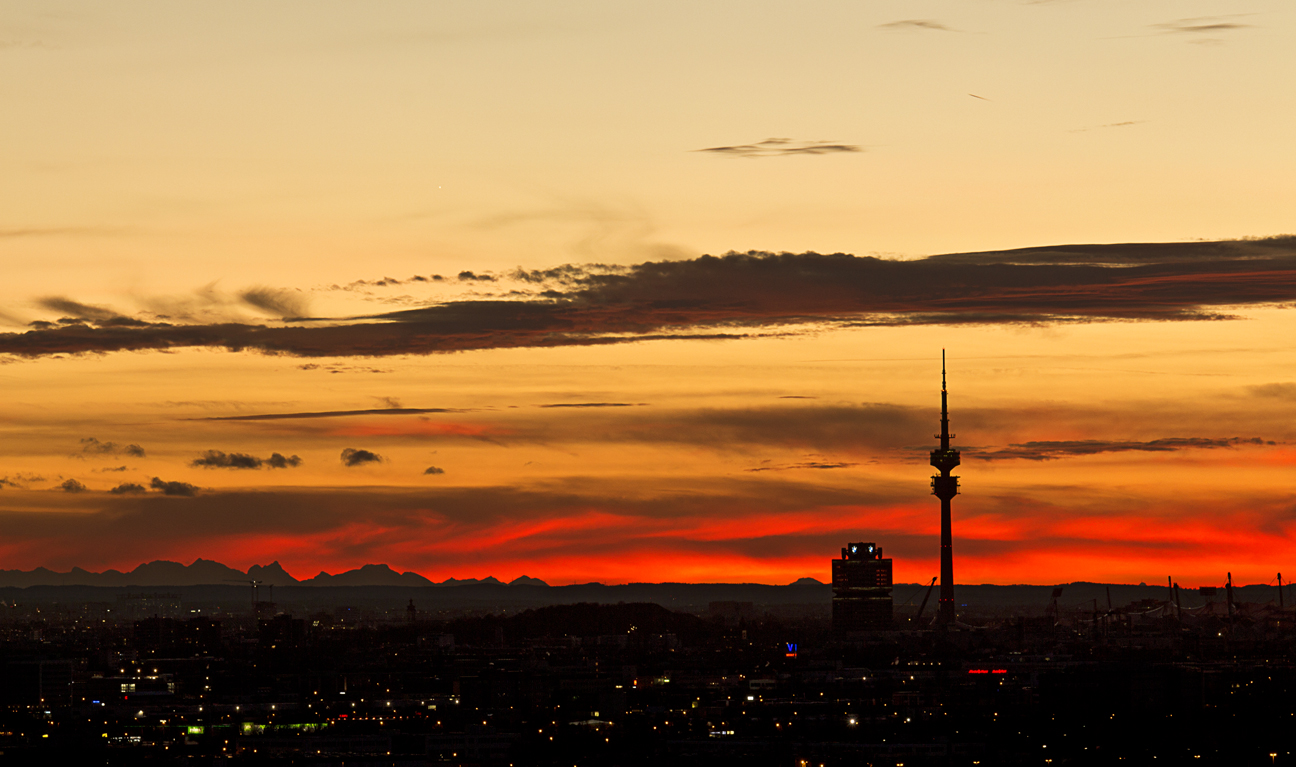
<point x="467" y="244"/>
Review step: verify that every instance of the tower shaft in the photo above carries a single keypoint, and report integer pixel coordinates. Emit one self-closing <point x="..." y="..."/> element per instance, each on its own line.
<point x="945" y="486"/>
<point x="945" y="607"/>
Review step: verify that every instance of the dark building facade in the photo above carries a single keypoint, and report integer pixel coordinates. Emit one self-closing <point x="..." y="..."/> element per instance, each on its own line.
<point x="861" y="582"/>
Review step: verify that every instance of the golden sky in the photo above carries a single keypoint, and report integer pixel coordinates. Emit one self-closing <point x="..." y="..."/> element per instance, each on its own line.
<point x="471" y="257"/>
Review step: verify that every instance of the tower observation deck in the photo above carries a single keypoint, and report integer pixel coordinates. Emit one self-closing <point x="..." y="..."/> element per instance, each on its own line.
<point x="945" y="487"/>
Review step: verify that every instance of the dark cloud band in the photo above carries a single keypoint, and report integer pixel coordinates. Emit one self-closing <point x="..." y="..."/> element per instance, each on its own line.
<point x="216" y="459"/>
<point x="736" y="295"/>
<point x="1047" y="451"/>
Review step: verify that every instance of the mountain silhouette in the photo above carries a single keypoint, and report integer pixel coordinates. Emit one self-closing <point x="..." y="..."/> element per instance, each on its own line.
<point x="204" y="572"/>
<point x="369" y="575"/>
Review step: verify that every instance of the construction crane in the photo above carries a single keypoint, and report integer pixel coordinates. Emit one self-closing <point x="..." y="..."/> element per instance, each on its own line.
<point x="1052" y="610"/>
<point x="255" y="584"/>
<point x="926" y="596"/>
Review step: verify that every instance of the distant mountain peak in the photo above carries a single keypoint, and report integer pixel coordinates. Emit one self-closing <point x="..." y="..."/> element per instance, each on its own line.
<point x="368" y="575"/>
<point x="273" y="574"/>
<point x="807" y="582"/>
<point x="526" y="580"/>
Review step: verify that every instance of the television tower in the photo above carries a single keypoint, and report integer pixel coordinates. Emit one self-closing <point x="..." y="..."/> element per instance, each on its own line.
<point x="945" y="487"/>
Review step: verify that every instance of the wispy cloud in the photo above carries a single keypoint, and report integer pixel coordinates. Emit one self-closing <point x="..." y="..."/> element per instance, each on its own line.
<point x="782" y="147"/>
<point x="62" y="231"/>
<point x="277" y="301"/>
<point x="92" y="446"/>
<point x="21" y="480"/>
<point x="1203" y="30"/>
<point x="77" y="310"/>
<point x="1201" y="25"/>
<point x="329" y="414"/>
<point x="1276" y="390"/>
<point x="804" y="465"/>
<point x="909" y="25"/>
<point x="1123" y="124"/>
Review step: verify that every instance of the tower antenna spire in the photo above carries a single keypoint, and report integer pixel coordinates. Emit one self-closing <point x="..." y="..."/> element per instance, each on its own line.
<point x="945" y="486"/>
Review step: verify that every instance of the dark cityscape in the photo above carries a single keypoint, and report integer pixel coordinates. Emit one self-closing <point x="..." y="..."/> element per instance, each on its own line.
<point x="1186" y="679"/>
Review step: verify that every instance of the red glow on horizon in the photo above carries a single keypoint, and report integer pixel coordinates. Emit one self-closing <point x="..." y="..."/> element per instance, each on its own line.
<point x="625" y="543"/>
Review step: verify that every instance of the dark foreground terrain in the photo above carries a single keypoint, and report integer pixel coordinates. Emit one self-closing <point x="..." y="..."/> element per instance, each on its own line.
<point x="638" y="684"/>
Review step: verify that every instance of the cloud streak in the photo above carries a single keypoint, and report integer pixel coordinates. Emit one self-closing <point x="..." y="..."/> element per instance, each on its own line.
<point x="595" y="404"/>
<point x="804" y="465"/>
<point x="1124" y="124"/>
<point x="1049" y="451"/>
<point x="782" y="147"/>
<point x="329" y="414"/>
<point x="1202" y="25"/>
<point x="910" y="25"/>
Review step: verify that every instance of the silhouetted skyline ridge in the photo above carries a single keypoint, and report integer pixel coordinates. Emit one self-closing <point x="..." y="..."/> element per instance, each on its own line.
<point x="205" y="572"/>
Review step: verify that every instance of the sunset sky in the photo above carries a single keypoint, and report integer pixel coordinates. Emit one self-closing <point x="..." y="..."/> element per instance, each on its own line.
<point x="649" y="291"/>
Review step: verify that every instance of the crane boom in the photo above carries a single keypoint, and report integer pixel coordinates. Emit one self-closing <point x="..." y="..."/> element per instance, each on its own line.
<point x="926" y="596"/>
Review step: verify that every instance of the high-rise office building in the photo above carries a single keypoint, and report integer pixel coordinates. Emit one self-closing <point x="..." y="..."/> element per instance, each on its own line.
<point x="861" y="582"/>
